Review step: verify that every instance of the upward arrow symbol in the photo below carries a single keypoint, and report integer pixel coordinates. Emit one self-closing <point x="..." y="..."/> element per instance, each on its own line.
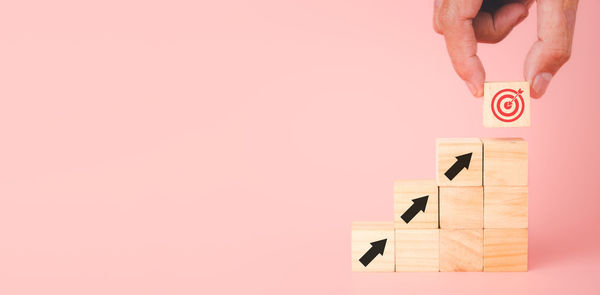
<point x="419" y="204"/>
<point x="462" y="162"/>
<point x="376" y="249"/>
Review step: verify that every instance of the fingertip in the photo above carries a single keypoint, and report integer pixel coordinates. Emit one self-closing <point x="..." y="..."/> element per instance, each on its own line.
<point x="478" y="79"/>
<point x="541" y="64"/>
<point x="540" y="84"/>
<point x="479" y="91"/>
<point x="475" y="88"/>
<point x="472" y="88"/>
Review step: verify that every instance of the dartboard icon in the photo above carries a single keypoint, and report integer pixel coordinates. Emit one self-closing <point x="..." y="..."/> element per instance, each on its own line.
<point x="508" y="105"/>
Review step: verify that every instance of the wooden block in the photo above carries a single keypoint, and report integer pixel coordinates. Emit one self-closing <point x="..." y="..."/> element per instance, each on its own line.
<point x="461" y="249"/>
<point x="505" y="161"/>
<point x="417" y="249"/>
<point x="461" y="207"/>
<point x="408" y="202"/>
<point x="505" y="206"/>
<point x="369" y="239"/>
<point x="505" y="249"/>
<point x="506" y="104"/>
<point x="459" y="161"/>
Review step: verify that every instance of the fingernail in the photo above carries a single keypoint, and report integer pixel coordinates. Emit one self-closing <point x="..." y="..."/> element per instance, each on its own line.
<point x="541" y="82"/>
<point x="472" y="88"/>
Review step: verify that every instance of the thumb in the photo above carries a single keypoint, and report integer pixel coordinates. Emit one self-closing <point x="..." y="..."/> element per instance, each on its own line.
<point x="553" y="47"/>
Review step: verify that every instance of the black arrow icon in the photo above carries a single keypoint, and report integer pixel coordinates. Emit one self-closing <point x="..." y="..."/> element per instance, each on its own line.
<point x="419" y="204"/>
<point x="376" y="248"/>
<point x="462" y="161"/>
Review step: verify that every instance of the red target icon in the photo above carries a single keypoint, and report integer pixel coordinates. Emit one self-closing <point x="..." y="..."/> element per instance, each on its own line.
<point x="508" y="105"/>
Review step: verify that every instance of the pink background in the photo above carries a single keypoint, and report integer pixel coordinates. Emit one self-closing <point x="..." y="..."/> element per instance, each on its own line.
<point x="186" y="148"/>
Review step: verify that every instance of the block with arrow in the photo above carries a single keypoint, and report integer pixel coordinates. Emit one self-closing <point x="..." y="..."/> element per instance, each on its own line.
<point x="373" y="246"/>
<point x="377" y="248"/>
<point x="415" y="204"/>
<point x="459" y="162"/>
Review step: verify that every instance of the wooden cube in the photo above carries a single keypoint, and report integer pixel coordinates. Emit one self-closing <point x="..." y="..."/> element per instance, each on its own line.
<point x="373" y="246"/>
<point x="505" y="249"/>
<point x="461" y="207"/>
<point x="417" y="250"/>
<point x="415" y="204"/>
<point x="461" y="249"/>
<point x="505" y="206"/>
<point x="505" y="161"/>
<point x="506" y="104"/>
<point x="459" y="161"/>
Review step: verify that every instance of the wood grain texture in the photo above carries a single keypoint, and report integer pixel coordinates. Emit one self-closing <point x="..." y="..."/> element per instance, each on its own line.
<point x="505" y="206"/>
<point x="417" y="250"/>
<point x="505" y="249"/>
<point x="407" y="190"/>
<point x="461" y="249"/>
<point x="491" y="89"/>
<point x="461" y="207"/>
<point x="505" y="161"/>
<point x="447" y="149"/>
<point x="363" y="234"/>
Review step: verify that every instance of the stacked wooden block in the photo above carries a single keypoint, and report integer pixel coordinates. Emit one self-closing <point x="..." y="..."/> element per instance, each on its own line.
<point x="473" y="217"/>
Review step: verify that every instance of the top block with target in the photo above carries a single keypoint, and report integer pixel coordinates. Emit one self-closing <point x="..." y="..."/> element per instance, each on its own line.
<point x="506" y="104"/>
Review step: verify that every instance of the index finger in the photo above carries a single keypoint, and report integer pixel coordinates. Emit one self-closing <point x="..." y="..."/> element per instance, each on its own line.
<point x="457" y="26"/>
<point x="462" y="48"/>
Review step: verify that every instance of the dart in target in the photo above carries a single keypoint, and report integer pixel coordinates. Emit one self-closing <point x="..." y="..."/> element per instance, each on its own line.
<point x="506" y="104"/>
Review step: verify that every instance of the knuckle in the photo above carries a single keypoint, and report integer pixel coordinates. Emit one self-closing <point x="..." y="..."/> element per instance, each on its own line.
<point x="499" y="36"/>
<point x="560" y="55"/>
<point x="461" y="69"/>
<point x="493" y="38"/>
<point x="445" y="19"/>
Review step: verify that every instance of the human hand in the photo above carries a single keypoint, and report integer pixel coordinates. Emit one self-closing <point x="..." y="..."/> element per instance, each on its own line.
<point x="466" y="22"/>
